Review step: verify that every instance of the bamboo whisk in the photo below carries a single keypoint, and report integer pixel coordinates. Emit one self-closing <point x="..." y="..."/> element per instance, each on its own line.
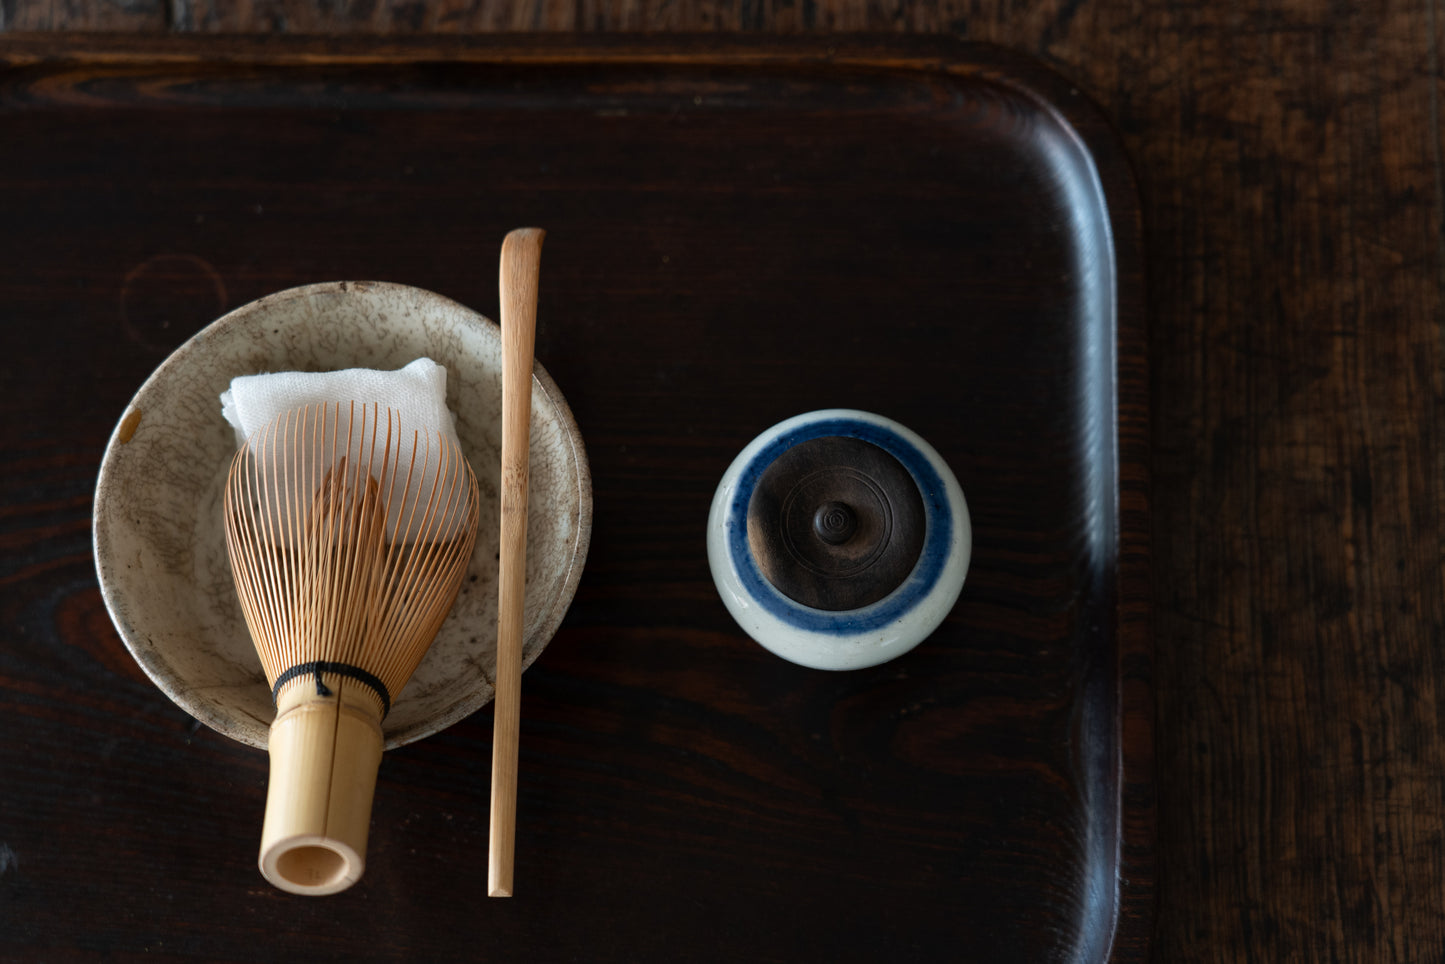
<point x="349" y="534"/>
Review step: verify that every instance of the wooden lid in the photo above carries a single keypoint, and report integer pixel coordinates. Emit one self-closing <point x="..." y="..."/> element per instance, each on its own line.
<point x="836" y="523"/>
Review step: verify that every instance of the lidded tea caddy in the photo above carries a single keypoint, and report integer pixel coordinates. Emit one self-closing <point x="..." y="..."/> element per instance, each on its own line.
<point x="839" y="539"/>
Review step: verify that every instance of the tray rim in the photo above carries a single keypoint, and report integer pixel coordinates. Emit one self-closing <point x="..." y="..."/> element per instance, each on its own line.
<point x="915" y="54"/>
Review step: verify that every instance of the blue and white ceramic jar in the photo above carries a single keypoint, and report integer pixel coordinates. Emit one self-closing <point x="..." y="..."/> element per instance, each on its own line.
<point x="839" y="539"/>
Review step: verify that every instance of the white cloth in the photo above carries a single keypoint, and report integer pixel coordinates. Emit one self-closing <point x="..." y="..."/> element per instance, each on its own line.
<point x="408" y="405"/>
<point x="417" y="393"/>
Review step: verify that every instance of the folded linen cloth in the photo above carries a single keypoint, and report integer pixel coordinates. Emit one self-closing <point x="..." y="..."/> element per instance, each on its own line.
<point x="366" y="407"/>
<point x="417" y="393"/>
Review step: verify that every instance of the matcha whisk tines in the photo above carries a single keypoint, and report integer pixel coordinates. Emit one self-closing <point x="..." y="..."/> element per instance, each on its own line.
<point x="349" y="534"/>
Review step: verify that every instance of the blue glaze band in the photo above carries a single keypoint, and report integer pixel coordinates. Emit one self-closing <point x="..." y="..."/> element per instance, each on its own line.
<point x="937" y="539"/>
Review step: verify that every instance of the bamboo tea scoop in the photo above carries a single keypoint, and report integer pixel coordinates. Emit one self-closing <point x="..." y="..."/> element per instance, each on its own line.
<point x="521" y="257"/>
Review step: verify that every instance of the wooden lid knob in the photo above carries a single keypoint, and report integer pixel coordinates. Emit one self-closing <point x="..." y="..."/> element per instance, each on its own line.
<point x="836" y="523"/>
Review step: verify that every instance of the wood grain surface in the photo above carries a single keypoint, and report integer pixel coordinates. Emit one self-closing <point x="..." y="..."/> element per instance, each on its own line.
<point x="1289" y="156"/>
<point x="990" y="790"/>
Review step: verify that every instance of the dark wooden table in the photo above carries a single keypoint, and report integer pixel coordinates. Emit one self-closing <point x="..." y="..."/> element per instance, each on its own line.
<point x="1289" y="158"/>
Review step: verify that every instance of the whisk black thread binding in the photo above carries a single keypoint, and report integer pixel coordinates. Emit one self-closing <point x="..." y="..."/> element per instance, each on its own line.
<point x="340" y="669"/>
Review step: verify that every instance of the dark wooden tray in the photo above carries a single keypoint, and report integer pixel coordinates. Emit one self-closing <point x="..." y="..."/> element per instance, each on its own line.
<point x="947" y="235"/>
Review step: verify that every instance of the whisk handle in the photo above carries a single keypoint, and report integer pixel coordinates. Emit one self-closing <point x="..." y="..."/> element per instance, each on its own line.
<point x="324" y="756"/>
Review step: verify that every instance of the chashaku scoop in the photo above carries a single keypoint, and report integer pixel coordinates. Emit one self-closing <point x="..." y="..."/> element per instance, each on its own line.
<point x="839" y="539"/>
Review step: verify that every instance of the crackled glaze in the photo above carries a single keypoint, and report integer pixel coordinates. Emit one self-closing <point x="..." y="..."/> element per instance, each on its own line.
<point x="160" y="550"/>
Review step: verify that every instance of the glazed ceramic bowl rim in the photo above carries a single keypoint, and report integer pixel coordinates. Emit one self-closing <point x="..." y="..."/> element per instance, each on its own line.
<point x="152" y="660"/>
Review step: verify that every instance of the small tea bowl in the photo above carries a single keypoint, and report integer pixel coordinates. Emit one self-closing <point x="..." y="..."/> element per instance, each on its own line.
<point x="160" y="548"/>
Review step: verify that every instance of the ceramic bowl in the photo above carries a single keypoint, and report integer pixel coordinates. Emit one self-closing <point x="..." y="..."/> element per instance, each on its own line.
<point x="160" y="549"/>
<point x="850" y="638"/>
